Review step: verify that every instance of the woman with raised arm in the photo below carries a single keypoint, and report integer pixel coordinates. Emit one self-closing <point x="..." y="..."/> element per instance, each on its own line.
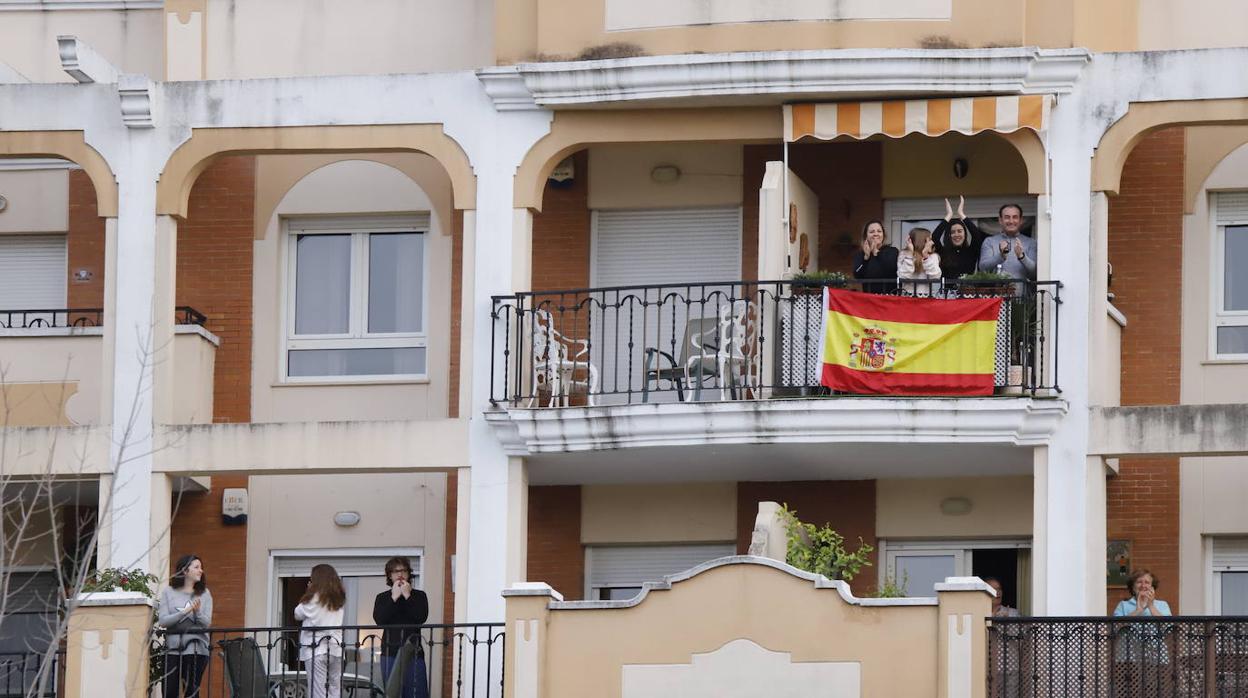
<point x="185" y="611"/>
<point x="958" y="239"/>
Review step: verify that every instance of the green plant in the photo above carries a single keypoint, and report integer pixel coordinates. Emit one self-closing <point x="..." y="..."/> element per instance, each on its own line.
<point x="986" y="276"/>
<point x="113" y="578"/>
<point x="822" y="276"/>
<point x="891" y="589"/>
<point x="821" y="550"/>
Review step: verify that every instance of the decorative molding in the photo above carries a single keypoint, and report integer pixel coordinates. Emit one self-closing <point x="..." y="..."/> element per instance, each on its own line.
<point x="20" y="164"/>
<point x="787" y="76"/>
<point x="78" y="5"/>
<point x="82" y="63"/>
<point x="819" y="581"/>
<point x="1017" y="421"/>
<point x="136" y="101"/>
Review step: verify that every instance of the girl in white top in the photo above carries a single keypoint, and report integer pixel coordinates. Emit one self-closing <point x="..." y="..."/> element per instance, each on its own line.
<point x="321" y="650"/>
<point x="919" y="262"/>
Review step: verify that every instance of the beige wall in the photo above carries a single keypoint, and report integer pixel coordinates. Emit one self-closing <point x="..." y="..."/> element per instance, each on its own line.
<point x="132" y="40"/>
<point x="593" y="651"/>
<point x="195" y="359"/>
<point x="295" y="512"/>
<point x="919" y="166"/>
<point x="620" y="175"/>
<point x="702" y="512"/>
<point x="910" y="508"/>
<point x="293" y="185"/>
<point x="277" y="38"/>
<point x="38" y="200"/>
<point x="1175" y="24"/>
<point x="1107" y="383"/>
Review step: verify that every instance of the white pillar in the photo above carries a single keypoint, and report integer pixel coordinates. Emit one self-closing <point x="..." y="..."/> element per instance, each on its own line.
<point x="1069" y="505"/>
<point x="141" y="338"/>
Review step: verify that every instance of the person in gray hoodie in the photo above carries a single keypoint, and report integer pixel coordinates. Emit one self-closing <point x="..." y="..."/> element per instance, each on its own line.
<point x="185" y="610"/>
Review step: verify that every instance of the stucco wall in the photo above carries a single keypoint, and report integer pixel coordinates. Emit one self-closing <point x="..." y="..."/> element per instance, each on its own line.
<point x="38" y="200"/>
<point x="1000" y="506"/>
<point x="347" y="187"/>
<point x="276" y="38"/>
<point x="132" y="40"/>
<point x="1175" y="24"/>
<point x="295" y="512"/>
<point x="710" y="175"/>
<point x="920" y="166"/>
<point x="703" y="512"/>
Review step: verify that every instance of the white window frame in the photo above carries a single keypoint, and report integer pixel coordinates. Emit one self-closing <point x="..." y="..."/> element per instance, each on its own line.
<point x="274" y="610"/>
<point x="962" y="550"/>
<point x="357" y="336"/>
<point x="1218" y="316"/>
<point x="896" y="211"/>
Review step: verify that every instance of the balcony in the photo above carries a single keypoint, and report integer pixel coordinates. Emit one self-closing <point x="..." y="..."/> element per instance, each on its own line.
<point x="739" y="362"/>
<point x="52" y="366"/>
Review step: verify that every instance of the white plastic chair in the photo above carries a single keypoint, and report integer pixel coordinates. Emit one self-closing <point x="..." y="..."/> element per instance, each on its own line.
<point x="555" y="367"/>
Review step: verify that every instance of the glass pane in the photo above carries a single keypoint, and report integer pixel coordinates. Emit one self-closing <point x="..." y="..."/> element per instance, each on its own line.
<point x="396" y="263"/>
<point x="322" y="284"/>
<point x="357" y="362"/>
<point x="1233" y="340"/>
<point x="920" y="573"/>
<point x="1234" y="593"/>
<point x="618" y="593"/>
<point x="1235" y="286"/>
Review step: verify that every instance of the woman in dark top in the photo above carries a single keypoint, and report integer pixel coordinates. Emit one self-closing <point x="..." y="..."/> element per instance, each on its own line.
<point x="875" y="259"/>
<point x="958" y="240"/>
<point x="402" y="605"/>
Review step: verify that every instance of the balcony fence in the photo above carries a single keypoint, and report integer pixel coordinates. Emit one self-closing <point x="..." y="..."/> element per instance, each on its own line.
<point x="732" y="340"/>
<point x="455" y="661"/>
<point x="1171" y="657"/>
<point x="47" y="318"/>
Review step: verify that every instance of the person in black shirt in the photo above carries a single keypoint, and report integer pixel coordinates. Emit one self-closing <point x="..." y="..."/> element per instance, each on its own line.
<point x="958" y="240"/>
<point x="406" y="607"/>
<point x="875" y="259"/>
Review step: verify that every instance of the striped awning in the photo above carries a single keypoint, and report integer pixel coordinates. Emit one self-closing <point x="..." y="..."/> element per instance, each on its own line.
<point x="931" y="117"/>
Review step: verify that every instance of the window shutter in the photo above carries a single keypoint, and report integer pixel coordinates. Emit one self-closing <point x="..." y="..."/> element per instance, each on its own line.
<point x="634" y="564"/>
<point x="347" y="566"/>
<point x="667" y="246"/>
<point x="32" y="272"/>
<point x="1231" y="207"/>
<point x="1230" y="553"/>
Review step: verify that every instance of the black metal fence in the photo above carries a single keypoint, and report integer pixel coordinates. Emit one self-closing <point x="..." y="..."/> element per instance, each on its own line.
<point x="724" y="340"/>
<point x="36" y="318"/>
<point x="21" y="672"/>
<point x="1118" y="657"/>
<point x="428" y="661"/>
<point x="31" y="654"/>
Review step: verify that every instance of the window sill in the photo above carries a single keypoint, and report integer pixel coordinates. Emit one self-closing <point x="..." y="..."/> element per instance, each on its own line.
<point x="349" y="383"/>
<point x="1224" y="362"/>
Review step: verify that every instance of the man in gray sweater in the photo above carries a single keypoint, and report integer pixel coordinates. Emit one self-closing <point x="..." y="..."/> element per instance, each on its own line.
<point x="1010" y="252"/>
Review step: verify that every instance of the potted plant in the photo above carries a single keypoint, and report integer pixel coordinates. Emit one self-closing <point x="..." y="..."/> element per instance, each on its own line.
<point x="812" y="282"/>
<point x="990" y="284"/>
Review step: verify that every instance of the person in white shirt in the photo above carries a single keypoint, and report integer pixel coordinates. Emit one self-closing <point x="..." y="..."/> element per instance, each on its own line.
<point x="321" y="649"/>
<point x="919" y="262"/>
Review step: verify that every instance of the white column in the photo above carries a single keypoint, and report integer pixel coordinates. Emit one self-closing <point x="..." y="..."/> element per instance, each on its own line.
<point x="1069" y="506"/>
<point x="141" y="338"/>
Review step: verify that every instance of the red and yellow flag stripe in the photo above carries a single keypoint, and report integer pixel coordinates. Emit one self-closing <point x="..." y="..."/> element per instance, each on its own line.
<point x="891" y="345"/>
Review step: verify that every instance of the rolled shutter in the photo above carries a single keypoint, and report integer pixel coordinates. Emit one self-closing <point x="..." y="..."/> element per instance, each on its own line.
<point x="1231" y="207"/>
<point x="631" y="565"/>
<point x="32" y="272"/>
<point x="667" y="246"/>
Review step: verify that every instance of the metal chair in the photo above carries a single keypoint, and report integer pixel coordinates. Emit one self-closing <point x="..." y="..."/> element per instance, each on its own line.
<point x="715" y="348"/>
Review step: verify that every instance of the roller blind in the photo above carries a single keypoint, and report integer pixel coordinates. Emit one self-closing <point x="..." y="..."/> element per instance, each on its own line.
<point x="634" y="564"/>
<point x="32" y="272"/>
<point x="364" y="566"/>
<point x="1231" y="207"/>
<point x="666" y="246"/>
<point x="1230" y="553"/>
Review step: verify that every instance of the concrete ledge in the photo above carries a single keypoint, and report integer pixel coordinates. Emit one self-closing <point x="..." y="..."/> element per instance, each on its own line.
<point x="1170" y="430"/>
<point x="114" y="598"/>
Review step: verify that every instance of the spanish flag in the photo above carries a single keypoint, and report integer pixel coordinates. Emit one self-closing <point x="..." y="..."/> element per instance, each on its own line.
<point x="893" y="345"/>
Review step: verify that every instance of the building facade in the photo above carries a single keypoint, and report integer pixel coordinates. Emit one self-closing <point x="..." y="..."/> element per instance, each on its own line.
<point x="385" y="274"/>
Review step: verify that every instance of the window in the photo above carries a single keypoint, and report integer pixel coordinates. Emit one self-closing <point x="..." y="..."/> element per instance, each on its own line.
<point x="356" y="299"/>
<point x="617" y="572"/>
<point x="32" y="272"/>
<point x="920" y="565"/>
<point x="1230" y="577"/>
<point x="1230" y="259"/>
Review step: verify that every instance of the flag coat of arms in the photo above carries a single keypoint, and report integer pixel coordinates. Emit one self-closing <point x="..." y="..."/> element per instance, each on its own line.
<point x="894" y="345"/>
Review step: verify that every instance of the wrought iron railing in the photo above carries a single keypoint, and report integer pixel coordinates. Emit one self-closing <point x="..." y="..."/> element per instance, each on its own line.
<point x="35" y="318"/>
<point x="353" y="661"/>
<point x="1118" y="657"/>
<point x="724" y="340"/>
<point x="21" y="672"/>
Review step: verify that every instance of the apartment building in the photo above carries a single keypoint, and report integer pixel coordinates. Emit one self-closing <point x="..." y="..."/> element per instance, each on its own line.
<point x="491" y="285"/>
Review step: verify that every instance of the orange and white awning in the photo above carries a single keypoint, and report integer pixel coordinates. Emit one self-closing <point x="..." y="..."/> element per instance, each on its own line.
<point x="932" y="117"/>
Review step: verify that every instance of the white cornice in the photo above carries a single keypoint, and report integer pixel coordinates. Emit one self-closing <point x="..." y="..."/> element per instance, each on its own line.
<point x="79" y="5"/>
<point x="775" y="77"/>
<point x="1017" y="421"/>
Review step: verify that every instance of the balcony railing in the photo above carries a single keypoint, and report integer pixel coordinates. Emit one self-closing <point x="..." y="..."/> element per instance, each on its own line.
<point x="1117" y="657"/>
<point x="452" y="661"/>
<point x="36" y="318"/>
<point x="732" y="340"/>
